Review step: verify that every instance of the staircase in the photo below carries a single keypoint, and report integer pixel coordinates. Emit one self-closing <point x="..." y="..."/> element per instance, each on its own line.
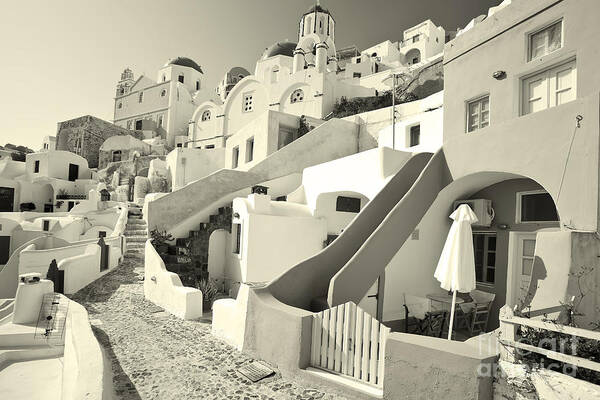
<point x="136" y="232"/>
<point x="180" y="259"/>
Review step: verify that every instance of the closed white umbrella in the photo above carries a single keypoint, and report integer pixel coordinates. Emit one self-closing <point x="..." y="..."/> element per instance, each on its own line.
<point x="456" y="268"/>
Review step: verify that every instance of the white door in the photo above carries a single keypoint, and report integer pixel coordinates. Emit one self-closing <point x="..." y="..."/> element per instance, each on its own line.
<point x="521" y="247"/>
<point x="369" y="302"/>
<point x="550" y="88"/>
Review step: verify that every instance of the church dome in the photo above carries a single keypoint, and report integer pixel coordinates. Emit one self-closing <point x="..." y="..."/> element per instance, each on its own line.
<point x="185" y="62"/>
<point x="280" y="49"/>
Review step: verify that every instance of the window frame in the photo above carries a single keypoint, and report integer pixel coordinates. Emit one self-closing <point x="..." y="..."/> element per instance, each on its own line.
<point x="524" y="100"/>
<point x="531" y="34"/>
<point x="410" y="135"/>
<point x="249" y="149"/>
<point x="519" y="204"/>
<point x="245" y="96"/>
<point x="468" y="112"/>
<point x="235" y="157"/>
<point x="344" y="202"/>
<point x="485" y="267"/>
<point x="237" y="238"/>
<point x="294" y="100"/>
<point x="36" y="167"/>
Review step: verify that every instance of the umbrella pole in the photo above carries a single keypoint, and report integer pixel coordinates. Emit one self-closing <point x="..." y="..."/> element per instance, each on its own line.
<point x="452" y="315"/>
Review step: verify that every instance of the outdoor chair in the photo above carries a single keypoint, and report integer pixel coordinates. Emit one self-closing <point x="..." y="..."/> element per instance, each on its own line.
<point x="476" y="314"/>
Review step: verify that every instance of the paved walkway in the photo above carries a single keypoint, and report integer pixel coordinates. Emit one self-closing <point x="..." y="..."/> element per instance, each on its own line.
<point x="157" y="356"/>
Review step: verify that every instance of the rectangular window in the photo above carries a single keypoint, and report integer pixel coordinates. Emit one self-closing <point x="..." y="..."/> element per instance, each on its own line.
<point x="415" y="38"/>
<point x="484" y="245"/>
<point x="237" y="234"/>
<point x="210" y="146"/>
<point x="160" y="121"/>
<point x="36" y="166"/>
<point x="197" y="85"/>
<point x="248" y="105"/>
<point x="180" y="78"/>
<point x="356" y="75"/>
<point x="535" y="206"/>
<point x="179" y="144"/>
<point x="235" y="157"/>
<point x="138" y="125"/>
<point x="478" y="113"/>
<point x="249" y="149"/>
<point x="45" y="225"/>
<point x="347" y="204"/>
<point x="415" y="135"/>
<point x="358" y="60"/>
<point x="141" y="97"/>
<point x="549" y="88"/>
<point x="545" y="41"/>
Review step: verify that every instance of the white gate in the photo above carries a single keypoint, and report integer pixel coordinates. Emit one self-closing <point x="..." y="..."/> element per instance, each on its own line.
<point x="347" y="340"/>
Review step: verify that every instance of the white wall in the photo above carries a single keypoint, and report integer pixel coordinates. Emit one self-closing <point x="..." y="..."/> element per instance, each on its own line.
<point x="274" y="237"/>
<point x="365" y="172"/>
<point x="186" y="165"/>
<point x="336" y="220"/>
<point x="164" y="288"/>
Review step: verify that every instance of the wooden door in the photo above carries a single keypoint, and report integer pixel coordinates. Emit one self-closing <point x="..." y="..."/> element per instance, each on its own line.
<point x="4" y="249"/>
<point x="73" y="172"/>
<point x="7" y="199"/>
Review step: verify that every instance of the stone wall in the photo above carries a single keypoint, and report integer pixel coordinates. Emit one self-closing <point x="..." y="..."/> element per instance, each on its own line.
<point x="94" y="132"/>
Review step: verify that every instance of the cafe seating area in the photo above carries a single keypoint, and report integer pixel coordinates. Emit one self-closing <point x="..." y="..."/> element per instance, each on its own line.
<point x="471" y="315"/>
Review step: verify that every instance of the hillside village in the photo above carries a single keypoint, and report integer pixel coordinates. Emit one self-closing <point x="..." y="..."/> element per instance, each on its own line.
<point x="291" y="221"/>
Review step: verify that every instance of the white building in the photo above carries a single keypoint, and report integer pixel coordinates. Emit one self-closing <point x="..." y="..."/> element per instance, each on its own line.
<point x="160" y="107"/>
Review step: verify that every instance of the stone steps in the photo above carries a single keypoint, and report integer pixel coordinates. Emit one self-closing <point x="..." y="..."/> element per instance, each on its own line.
<point x="136" y="239"/>
<point x="135" y="232"/>
<point x="135" y="221"/>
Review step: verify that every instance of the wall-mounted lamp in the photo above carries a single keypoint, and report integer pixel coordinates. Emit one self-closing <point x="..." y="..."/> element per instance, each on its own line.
<point x="499" y="75"/>
<point x="503" y="226"/>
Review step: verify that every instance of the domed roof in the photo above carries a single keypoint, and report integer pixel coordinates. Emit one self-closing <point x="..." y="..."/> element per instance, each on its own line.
<point x="280" y="49"/>
<point x="185" y="62"/>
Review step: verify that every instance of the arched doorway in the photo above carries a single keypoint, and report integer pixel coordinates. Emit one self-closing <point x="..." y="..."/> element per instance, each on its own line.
<point x="413" y="57"/>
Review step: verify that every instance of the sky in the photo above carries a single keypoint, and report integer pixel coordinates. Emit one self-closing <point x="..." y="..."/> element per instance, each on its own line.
<point x="61" y="59"/>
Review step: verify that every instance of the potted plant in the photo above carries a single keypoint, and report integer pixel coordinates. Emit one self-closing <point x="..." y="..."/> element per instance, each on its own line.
<point x="159" y="240"/>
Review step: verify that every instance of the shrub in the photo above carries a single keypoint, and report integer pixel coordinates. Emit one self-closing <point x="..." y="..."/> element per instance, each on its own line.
<point x="160" y="239"/>
<point x="209" y="291"/>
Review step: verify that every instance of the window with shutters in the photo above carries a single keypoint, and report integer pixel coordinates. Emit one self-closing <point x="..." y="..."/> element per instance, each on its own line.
<point x="478" y="113"/>
<point x="415" y="135"/>
<point x="484" y="246"/>
<point x="549" y="88"/>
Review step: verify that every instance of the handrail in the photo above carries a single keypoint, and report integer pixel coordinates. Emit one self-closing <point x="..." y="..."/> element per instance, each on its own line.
<point x="509" y="324"/>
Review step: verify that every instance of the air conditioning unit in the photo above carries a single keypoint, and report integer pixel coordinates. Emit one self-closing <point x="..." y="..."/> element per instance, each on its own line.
<point x="482" y="209"/>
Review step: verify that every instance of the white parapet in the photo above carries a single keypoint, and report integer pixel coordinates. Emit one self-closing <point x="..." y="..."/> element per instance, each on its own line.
<point x="30" y="294"/>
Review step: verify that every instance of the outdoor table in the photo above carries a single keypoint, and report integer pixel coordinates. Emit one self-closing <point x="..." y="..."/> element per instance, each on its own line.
<point x="443" y="298"/>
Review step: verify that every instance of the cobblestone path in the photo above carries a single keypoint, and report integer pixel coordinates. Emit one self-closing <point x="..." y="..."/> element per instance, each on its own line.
<point x="157" y="356"/>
